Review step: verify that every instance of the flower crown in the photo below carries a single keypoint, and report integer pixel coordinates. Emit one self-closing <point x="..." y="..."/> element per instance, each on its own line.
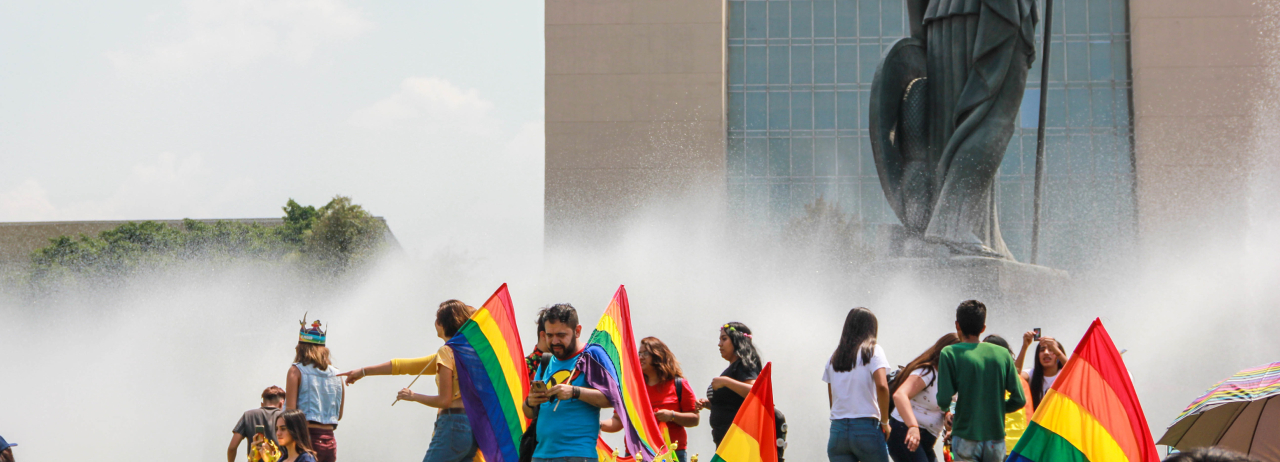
<point x="728" y="328"/>
<point x="313" y="334"/>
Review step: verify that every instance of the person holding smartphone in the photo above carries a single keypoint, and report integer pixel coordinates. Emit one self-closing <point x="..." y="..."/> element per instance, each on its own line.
<point x="1049" y="361"/>
<point x="294" y="437"/>
<point x="264" y="417"/>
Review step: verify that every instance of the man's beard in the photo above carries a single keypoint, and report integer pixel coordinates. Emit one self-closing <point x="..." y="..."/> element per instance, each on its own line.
<point x="566" y="351"/>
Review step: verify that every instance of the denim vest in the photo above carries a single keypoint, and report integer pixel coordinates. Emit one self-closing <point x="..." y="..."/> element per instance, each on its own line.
<point x="319" y="394"/>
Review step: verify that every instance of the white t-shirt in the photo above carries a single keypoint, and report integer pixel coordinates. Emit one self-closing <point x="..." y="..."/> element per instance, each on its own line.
<point x="853" y="393"/>
<point x="1048" y="381"/>
<point x="925" y="404"/>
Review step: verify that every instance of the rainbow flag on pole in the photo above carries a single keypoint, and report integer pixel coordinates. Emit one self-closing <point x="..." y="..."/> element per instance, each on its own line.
<point x="609" y="363"/>
<point x="493" y="377"/>
<point x="752" y="437"/>
<point x="1091" y="414"/>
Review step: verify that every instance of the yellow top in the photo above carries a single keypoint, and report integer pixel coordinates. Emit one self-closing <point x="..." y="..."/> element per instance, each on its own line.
<point x="429" y="365"/>
<point x="1016" y="422"/>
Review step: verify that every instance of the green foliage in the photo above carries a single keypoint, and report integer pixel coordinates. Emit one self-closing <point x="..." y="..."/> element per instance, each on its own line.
<point x="342" y="233"/>
<point x="327" y="240"/>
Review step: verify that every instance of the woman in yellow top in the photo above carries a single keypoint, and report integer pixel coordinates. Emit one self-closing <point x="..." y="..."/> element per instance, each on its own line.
<point x="1014" y="422"/>
<point x="452" y="440"/>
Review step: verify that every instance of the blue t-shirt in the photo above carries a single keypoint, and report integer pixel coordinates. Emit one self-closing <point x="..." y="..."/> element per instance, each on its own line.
<point x="571" y="430"/>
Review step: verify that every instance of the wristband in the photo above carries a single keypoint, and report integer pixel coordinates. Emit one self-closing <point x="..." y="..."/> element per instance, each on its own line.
<point x="577" y="392"/>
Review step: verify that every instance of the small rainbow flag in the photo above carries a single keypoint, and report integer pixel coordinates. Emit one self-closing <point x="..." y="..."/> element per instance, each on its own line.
<point x="493" y="377"/>
<point x="609" y="363"/>
<point x="752" y="437"/>
<point x="1091" y="413"/>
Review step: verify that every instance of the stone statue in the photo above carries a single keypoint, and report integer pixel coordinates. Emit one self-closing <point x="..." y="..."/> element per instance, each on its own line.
<point x="944" y="103"/>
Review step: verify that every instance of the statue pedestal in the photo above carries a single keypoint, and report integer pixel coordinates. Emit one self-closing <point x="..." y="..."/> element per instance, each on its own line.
<point x="983" y="278"/>
<point x="978" y="277"/>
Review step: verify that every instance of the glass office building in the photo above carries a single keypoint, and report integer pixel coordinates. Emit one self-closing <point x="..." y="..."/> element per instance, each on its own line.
<point x="799" y="76"/>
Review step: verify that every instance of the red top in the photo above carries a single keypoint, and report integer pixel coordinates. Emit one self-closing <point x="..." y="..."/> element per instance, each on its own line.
<point x="663" y="396"/>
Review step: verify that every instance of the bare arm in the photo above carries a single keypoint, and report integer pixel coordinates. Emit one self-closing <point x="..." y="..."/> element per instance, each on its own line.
<point x="881" y="377"/>
<point x="357" y="374"/>
<point x="830" y="400"/>
<point x="1027" y="338"/>
<point x="342" y="401"/>
<point x="234" y="447"/>
<point x="443" y="400"/>
<point x="683" y="419"/>
<point x="741" y="388"/>
<point x="291" y="384"/>
<point x="613" y="425"/>
<point x="902" y="399"/>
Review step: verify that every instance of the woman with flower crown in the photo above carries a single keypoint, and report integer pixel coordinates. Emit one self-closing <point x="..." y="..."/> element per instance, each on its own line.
<point x="313" y="386"/>
<point x="728" y="391"/>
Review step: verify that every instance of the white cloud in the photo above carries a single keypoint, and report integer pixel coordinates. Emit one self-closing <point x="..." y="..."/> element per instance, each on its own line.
<point x="425" y="102"/>
<point x="27" y="202"/>
<point x="222" y="34"/>
<point x="167" y="188"/>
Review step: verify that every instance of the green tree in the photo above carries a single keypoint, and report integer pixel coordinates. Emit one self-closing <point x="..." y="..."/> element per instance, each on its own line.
<point x="343" y="234"/>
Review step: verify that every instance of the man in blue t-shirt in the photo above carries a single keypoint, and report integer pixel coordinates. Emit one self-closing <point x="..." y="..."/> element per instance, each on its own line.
<point x="568" y="412"/>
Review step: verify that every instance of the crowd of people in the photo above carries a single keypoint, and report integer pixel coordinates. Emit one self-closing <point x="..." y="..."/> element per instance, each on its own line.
<point x="877" y="412"/>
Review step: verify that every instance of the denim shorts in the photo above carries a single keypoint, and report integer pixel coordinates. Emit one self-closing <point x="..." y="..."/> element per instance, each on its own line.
<point x="857" y="440"/>
<point x="452" y="440"/>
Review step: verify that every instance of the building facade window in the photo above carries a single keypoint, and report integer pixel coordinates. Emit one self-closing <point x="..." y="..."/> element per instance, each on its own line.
<point x="799" y="76"/>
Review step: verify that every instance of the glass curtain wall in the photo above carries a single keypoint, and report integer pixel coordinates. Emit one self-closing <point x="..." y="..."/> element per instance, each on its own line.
<point x="799" y="77"/>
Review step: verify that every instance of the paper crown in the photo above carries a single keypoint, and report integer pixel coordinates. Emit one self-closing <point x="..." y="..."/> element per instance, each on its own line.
<point x="310" y="334"/>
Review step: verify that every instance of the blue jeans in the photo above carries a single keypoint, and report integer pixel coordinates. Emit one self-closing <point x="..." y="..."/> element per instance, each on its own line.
<point x="963" y="450"/>
<point x="682" y="456"/>
<point x="567" y="459"/>
<point x="857" y="440"/>
<point x="898" y="444"/>
<point x="452" y="440"/>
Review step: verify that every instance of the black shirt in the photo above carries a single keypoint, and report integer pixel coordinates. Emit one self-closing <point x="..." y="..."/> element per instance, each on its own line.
<point x="725" y="402"/>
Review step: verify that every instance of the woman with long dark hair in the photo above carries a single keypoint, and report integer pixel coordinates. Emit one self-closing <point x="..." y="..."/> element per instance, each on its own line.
<point x="313" y="387"/>
<point x="728" y="391"/>
<point x="452" y="440"/>
<point x="916" y="420"/>
<point x="858" y="390"/>
<point x="1049" y="361"/>
<point x="294" y="438"/>
<point x="669" y="393"/>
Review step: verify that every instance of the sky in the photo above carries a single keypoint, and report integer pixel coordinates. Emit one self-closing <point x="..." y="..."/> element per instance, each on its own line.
<point x="427" y="113"/>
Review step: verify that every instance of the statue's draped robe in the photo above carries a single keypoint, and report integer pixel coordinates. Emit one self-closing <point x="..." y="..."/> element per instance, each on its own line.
<point x="978" y="53"/>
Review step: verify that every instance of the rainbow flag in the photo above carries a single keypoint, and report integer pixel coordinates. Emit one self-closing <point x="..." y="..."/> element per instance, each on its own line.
<point x="609" y="363"/>
<point x="1091" y="413"/>
<point x="752" y="437"/>
<point x="493" y="377"/>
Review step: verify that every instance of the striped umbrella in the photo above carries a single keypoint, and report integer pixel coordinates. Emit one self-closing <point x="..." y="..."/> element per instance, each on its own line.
<point x="1241" y="413"/>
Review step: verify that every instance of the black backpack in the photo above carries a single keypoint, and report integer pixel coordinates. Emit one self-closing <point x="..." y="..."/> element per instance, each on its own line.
<point x="780" y="431"/>
<point x="529" y="440"/>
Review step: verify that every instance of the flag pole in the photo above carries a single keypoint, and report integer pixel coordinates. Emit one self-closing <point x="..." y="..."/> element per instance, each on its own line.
<point x="415" y="380"/>
<point x="1040" y="145"/>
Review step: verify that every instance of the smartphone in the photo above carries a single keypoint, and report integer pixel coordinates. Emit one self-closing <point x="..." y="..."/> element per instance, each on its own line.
<point x="259" y="429"/>
<point x="1037" y="331"/>
<point x="538" y="386"/>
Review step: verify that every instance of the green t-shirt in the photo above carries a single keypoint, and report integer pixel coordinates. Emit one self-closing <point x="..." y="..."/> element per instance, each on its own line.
<point x="981" y="373"/>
